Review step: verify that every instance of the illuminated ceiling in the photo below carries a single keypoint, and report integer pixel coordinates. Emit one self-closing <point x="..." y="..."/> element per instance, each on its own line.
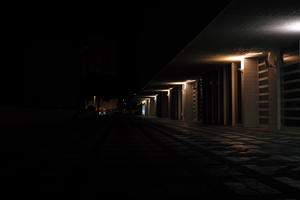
<point x="242" y="28"/>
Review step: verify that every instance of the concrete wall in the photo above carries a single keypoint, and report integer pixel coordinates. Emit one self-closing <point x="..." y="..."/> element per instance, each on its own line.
<point x="162" y="106"/>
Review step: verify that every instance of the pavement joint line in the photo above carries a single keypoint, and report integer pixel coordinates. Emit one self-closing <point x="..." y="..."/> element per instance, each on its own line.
<point x="278" y="185"/>
<point x="250" y="137"/>
<point x="178" y="155"/>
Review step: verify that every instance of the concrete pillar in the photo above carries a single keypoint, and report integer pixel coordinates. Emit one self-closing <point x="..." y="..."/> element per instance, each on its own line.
<point x="159" y="105"/>
<point x="174" y="103"/>
<point x="169" y="104"/>
<point x="212" y="98"/>
<point x="146" y="107"/>
<point x="149" y="107"/>
<point x="152" y="107"/>
<point x="207" y="99"/>
<point x="219" y="98"/>
<point x="164" y="105"/>
<point x="195" y="100"/>
<point x="234" y="97"/>
<point x="180" y="105"/>
<point x="200" y="100"/>
<point x="225" y="95"/>
<point x="250" y="92"/>
<point x="183" y="99"/>
<point x="275" y="62"/>
<point x="188" y="103"/>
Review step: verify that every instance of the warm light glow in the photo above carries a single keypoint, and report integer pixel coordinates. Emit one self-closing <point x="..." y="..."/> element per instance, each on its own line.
<point x="235" y="58"/>
<point x="169" y="91"/>
<point x="239" y="58"/>
<point x="177" y="83"/>
<point x="150" y="96"/>
<point x="293" y="58"/>
<point x="161" y="90"/>
<point x="190" y="81"/>
<point x="242" y="58"/>
<point x="174" y="83"/>
<point x="248" y="55"/>
<point x="184" y="86"/>
<point x="242" y="63"/>
<point x="186" y="82"/>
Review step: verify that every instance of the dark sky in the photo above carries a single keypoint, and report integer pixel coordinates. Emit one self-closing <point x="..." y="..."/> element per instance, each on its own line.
<point x="147" y="37"/>
<point x="57" y="54"/>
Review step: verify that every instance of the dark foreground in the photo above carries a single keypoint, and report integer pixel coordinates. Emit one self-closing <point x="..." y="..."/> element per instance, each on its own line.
<point x="143" y="158"/>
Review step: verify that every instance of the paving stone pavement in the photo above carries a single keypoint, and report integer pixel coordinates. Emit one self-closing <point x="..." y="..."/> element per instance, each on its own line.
<point x="267" y="162"/>
<point x="150" y="158"/>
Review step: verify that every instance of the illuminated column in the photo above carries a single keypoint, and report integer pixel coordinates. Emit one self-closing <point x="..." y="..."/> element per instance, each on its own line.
<point x="183" y="101"/>
<point x="169" y="103"/>
<point x="177" y="104"/>
<point x="234" y="97"/>
<point x="249" y="92"/>
<point x="143" y="109"/>
<point x="189" y="109"/>
<point x="148" y="107"/>
<point x="195" y="100"/>
<point x="274" y="61"/>
<point x="225" y="95"/>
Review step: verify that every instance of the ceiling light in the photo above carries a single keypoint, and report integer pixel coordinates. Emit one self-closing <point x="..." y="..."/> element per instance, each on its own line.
<point x="292" y="26"/>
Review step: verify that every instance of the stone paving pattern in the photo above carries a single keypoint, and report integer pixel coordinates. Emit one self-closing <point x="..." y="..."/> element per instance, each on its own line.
<point x="149" y="158"/>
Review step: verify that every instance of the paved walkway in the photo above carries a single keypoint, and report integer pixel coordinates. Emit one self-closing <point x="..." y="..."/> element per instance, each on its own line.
<point x="147" y="158"/>
<point x="256" y="163"/>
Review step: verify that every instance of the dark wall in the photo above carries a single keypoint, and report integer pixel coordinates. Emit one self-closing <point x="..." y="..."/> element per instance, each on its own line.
<point x="174" y="103"/>
<point x="162" y="106"/>
<point x="213" y="96"/>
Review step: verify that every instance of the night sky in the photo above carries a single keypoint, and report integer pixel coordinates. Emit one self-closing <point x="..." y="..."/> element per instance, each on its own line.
<point x="55" y="55"/>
